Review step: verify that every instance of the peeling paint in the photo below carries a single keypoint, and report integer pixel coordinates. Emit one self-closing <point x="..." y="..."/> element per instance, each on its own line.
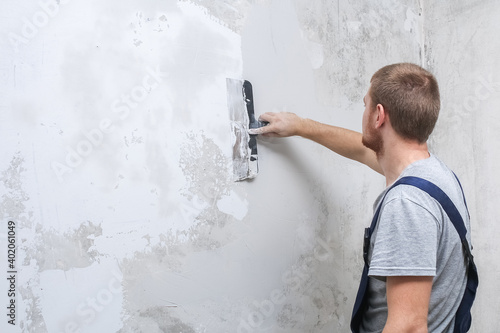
<point x="53" y="250"/>
<point x="155" y="320"/>
<point x="230" y="13"/>
<point x="205" y="168"/>
<point x="13" y="201"/>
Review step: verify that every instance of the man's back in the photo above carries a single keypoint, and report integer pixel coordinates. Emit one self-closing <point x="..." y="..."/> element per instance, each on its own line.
<point x="414" y="237"/>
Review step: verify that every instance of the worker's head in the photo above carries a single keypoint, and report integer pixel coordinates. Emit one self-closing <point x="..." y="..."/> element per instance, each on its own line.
<point x="410" y="97"/>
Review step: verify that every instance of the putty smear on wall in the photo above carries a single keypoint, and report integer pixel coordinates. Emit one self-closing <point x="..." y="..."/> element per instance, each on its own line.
<point x="119" y="167"/>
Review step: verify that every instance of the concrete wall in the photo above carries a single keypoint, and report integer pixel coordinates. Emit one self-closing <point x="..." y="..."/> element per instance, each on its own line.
<point x="116" y="158"/>
<point x="462" y="55"/>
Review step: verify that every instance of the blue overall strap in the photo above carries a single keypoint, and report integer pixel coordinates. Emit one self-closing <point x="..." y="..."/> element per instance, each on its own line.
<point x="463" y="315"/>
<point x="361" y="298"/>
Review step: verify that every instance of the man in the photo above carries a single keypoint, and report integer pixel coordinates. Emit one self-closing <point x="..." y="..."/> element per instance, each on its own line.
<point x="417" y="271"/>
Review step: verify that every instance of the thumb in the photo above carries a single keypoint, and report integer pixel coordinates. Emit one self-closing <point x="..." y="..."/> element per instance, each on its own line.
<point x="263" y="129"/>
<point x="256" y="131"/>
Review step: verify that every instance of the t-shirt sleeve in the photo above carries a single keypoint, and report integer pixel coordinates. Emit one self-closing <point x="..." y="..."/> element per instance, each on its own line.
<point x="404" y="242"/>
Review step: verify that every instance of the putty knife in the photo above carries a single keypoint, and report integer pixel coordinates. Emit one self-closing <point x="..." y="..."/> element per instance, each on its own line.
<point x="241" y="114"/>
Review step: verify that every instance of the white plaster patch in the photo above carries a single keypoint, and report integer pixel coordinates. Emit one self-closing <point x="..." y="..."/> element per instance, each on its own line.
<point x="315" y="54"/>
<point x="233" y="205"/>
<point x="413" y="23"/>
<point x="122" y="239"/>
<point x="83" y="300"/>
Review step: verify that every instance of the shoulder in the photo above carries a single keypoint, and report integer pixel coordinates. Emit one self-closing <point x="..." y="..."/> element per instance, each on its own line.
<point x="405" y="202"/>
<point x="435" y="171"/>
<point x="409" y="194"/>
<point x="406" y="197"/>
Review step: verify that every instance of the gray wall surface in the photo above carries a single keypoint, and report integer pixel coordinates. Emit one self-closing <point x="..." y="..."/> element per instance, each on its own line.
<point x="116" y="158"/>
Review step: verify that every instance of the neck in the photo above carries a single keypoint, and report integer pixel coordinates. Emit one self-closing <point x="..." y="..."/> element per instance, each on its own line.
<point x="394" y="159"/>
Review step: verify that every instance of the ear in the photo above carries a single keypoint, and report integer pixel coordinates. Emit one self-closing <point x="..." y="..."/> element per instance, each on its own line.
<point x="382" y="116"/>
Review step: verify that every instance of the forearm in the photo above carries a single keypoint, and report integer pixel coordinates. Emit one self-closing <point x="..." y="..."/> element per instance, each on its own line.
<point x="408" y="300"/>
<point x="342" y="141"/>
<point x="405" y="327"/>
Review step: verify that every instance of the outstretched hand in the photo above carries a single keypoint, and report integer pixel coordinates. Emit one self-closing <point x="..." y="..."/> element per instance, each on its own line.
<point x="340" y="140"/>
<point x="281" y="124"/>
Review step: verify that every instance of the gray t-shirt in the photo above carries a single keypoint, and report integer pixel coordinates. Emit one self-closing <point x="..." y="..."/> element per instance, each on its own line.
<point x="414" y="237"/>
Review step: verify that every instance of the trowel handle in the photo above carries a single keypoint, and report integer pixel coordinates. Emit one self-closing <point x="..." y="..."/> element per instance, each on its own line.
<point x="257" y="124"/>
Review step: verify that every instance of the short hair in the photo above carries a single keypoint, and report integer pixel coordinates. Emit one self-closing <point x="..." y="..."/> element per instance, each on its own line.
<point x="410" y="96"/>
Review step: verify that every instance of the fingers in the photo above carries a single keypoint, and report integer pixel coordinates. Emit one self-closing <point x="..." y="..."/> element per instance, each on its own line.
<point x="264" y="130"/>
<point x="261" y="130"/>
<point x="281" y="124"/>
<point x="270" y="135"/>
<point x="268" y="116"/>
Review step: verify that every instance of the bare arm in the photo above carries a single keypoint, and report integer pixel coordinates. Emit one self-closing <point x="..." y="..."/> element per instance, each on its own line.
<point x="407" y="303"/>
<point x="340" y="140"/>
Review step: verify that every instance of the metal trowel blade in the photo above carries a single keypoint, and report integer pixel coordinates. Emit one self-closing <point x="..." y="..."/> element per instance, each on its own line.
<point x="242" y="117"/>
